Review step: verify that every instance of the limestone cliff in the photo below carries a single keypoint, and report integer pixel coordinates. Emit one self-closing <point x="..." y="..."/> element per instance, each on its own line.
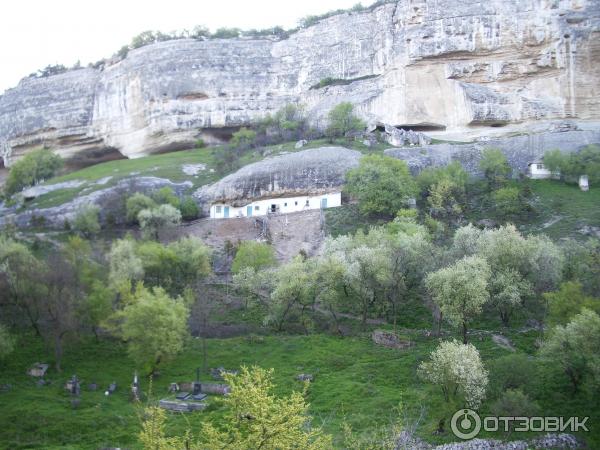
<point x="453" y="65"/>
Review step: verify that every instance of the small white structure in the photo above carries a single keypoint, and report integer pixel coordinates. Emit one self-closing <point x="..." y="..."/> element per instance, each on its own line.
<point x="537" y="171"/>
<point x="584" y="183"/>
<point x="282" y="205"/>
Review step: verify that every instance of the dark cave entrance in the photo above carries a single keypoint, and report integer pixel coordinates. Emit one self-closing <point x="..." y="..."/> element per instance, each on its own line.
<point x="422" y="127"/>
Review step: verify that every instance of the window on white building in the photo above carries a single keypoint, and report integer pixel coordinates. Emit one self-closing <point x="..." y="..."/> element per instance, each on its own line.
<point x="256" y="208"/>
<point x="540" y="167"/>
<point x="285" y="205"/>
<point x="296" y="203"/>
<point x="307" y="202"/>
<point x="218" y="209"/>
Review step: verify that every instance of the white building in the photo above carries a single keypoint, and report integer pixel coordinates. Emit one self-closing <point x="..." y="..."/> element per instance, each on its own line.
<point x="537" y="171"/>
<point x="280" y="205"/>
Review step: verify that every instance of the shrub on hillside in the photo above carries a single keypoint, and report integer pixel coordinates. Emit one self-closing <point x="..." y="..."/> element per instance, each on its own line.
<point x="87" y="221"/>
<point x="33" y="168"/>
<point x="136" y="203"/>
<point x="189" y="208"/>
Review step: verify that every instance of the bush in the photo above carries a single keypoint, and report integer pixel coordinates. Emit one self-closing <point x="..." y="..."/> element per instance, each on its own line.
<point x="33" y="168"/>
<point x="155" y="219"/>
<point x="86" y="221"/>
<point x="256" y="255"/>
<point x="189" y="208"/>
<point x="507" y="201"/>
<point x="135" y="204"/>
<point x="382" y="185"/>
<point x="495" y="167"/>
<point x="342" y="121"/>
<point x="166" y="196"/>
<point x="515" y="371"/>
<point x="514" y="403"/>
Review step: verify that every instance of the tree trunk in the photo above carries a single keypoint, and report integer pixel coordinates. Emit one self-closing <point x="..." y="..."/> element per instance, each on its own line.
<point x="464" y="332"/>
<point x="58" y="352"/>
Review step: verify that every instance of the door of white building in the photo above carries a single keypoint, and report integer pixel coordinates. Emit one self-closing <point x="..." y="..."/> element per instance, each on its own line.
<point x="323" y="203"/>
<point x="249" y="211"/>
<point x="226" y="211"/>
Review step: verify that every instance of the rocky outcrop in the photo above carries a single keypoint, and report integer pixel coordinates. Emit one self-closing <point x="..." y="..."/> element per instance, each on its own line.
<point x="447" y="65"/>
<point x="519" y="150"/>
<point x="312" y="171"/>
<point x="109" y="199"/>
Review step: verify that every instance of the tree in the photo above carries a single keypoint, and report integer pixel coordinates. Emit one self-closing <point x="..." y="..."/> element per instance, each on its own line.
<point x="166" y="196"/>
<point x="568" y="301"/>
<point x="382" y="185"/>
<point x="582" y="263"/>
<point x="514" y="403"/>
<point x="556" y="162"/>
<point x="86" y="220"/>
<point x="507" y="289"/>
<point x="574" y="348"/>
<point x="292" y="294"/>
<point x="445" y="189"/>
<point x="343" y="121"/>
<point x="254" y="418"/>
<point x="460" y="290"/>
<point x="124" y="264"/>
<point x="257" y="255"/>
<point x="507" y="201"/>
<point x="152" y="221"/>
<point x="19" y="280"/>
<point x="31" y="169"/>
<point x="243" y="139"/>
<point x="585" y="162"/>
<point x="166" y="318"/>
<point x="189" y="208"/>
<point x="7" y="342"/>
<point x="495" y="167"/>
<point x="136" y="203"/>
<point x="458" y="370"/>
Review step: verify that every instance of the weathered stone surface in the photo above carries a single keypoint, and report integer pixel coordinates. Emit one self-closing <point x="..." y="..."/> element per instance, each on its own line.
<point x="107" y="199"/>
<point x="519" y="150"/>
<point x="310" y="171"/>
<point x="453" y="64"/>
<point x="563" y="441"/>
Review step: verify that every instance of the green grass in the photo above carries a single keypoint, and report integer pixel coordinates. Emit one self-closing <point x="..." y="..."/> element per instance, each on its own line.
<point x="355" y="381"/>
<point x="558" y="209"/>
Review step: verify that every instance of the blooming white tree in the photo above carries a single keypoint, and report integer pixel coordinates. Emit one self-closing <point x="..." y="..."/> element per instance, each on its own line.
<point x="458" y="370"/>
<point x="460" y="290"/>
<point x="155" y="219"/>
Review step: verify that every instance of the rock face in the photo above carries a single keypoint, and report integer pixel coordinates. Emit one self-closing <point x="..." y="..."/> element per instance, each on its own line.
<point x="312" y="171"/>
<point x="448" y="64"/>
<point x="519" y="150"/>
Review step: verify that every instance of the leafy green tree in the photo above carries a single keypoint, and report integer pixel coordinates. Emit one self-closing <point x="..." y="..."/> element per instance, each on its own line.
<point x="87" y="221"/>
<point x="343" y="121"/>
<point x="257" y="255"/>
<point x="574" y="348"/>
<point x="507" y="290"/>
<point x="568" y="301"/>
<point x="586" y="162"/>
<point x="507" y="201"/>
<point x="582" y="263"/>
<point x="513" y="371"/>
<point x="461" y="290"/>
<point x="125" y="266"/>
<point x="166" y="317"/>
<point x="189" y="208"/>
<point x="136" y="203"/>
<point x="152" y="221"/>
<point x="292" y="294"/>
<point x="20" y="285"/>
<point x="97" y="306"/>
<point x="556" y="162"/>
<point x="515" y="403"/>
<point x="31" y="169"/>
<point x="166" y="196"/>
<point x="255" y="418"/>
<point x="243" y="139"/>
<point x="494" y="166"/>
<point x="382" y="185"/>
<point x="459" y="371"/>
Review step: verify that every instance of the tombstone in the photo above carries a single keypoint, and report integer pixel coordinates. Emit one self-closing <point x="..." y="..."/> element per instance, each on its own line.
<point x="112" y="387"/>
<point x="38" y="370"/>
<point x="173" y="387"/>
<point x="75" y="402"/>
<point x="73" y="386"/>
<point x="305" y="377"/>
<point x="301" y="143"/>
<point x="197" y="388"/>
<point x="182" y="395"/>
<point x="92" y="386"/>
<point x="135" y="388"/>
<point x="584" y="183"/>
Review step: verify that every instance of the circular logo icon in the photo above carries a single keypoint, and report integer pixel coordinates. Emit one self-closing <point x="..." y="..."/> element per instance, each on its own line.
<point x="465" y="424"/>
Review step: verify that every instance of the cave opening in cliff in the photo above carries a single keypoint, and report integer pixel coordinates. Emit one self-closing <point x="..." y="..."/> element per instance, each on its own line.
<point x="92" y="157"/>
<point x="422" y="127"/>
